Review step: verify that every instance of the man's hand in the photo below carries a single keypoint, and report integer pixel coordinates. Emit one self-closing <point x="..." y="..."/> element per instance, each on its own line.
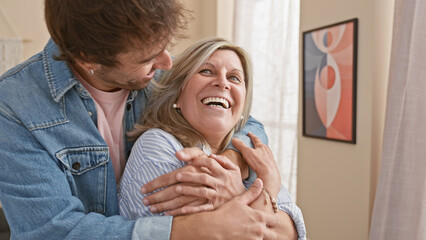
<point x="233" y="220"/>
<point x="204" y="184"/>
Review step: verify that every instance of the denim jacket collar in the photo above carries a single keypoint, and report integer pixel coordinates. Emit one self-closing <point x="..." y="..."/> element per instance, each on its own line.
<point x="60" y="77"/>
<point x="58" y="73"/>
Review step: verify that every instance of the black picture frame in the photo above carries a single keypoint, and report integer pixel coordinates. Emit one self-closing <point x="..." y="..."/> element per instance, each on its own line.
<point x="329" y="81"/>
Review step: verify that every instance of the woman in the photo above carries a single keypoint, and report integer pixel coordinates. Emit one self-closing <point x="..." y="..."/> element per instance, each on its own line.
<point x="202" y="100"/>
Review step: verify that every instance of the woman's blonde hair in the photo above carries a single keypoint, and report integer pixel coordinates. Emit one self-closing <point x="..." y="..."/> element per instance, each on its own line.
<point x="160" y="113"/>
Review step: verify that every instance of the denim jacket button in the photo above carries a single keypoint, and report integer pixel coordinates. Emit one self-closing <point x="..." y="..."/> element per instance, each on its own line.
<point x="76" y="166"/>
<point x="90" y="113"/>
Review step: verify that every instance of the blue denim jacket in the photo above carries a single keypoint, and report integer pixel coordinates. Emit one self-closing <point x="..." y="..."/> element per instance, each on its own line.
<point x="56" y="179"/>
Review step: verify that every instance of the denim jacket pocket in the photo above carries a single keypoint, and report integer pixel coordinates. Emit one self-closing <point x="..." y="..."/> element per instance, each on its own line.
<point x="86" y="170"/>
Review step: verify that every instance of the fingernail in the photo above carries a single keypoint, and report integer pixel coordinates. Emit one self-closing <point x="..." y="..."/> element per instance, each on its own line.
<point x="143" y="190"/>
<point x="153" y="209"/>
<point x="178" y="189"/>
<point x="179" y="176"/>
<point x="145" y="202"/>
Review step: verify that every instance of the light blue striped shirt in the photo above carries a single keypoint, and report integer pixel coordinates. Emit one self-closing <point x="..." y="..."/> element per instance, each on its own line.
<point x="153" y="155"/>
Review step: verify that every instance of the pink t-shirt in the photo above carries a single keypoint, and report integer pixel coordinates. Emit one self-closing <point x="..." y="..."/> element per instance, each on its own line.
<point x="110" y="112"/>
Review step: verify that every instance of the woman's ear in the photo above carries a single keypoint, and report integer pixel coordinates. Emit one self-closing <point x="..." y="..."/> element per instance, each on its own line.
<point x="176" y="104"/>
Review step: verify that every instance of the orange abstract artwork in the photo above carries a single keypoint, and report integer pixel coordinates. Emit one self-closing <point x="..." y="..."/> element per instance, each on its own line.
<point x="329" y="82"/>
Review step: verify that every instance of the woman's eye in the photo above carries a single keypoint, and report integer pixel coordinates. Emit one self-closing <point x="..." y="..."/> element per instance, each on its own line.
<point x="206" y="71"/>
<point x="235" y="79"/>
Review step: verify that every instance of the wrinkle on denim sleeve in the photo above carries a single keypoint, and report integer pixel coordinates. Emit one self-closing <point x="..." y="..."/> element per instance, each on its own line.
<point x="254" y="127"/>
<point x="155" y="228"/>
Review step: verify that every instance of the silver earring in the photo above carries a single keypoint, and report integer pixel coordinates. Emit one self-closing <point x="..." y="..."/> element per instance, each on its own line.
<point x="91" y="72"/>
<point x="175" y="105"/>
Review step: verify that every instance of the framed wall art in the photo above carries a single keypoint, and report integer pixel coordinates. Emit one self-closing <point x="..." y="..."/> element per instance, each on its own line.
<point x="329" y="81"/>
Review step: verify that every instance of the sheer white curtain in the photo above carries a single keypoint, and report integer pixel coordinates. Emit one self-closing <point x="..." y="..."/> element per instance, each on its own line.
<point x="11" y="48"/>
<point x="400" y="205"/>
<point x="269" y="30"/>
<point x="10" y="53"/>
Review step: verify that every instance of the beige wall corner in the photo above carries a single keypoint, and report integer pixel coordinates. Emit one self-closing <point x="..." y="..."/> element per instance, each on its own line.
<point x="383" y="20"/>
<point x="213" y="18"/>
<point x="26" y="17"/>
<point x="336" y="181"/>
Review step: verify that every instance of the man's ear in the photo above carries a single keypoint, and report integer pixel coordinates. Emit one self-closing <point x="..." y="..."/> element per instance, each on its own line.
<point x="87" y="66"/>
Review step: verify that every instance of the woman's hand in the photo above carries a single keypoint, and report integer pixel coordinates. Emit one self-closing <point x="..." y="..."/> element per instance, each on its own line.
<point x="204" y="184"/>
<point x="261" y="160"/>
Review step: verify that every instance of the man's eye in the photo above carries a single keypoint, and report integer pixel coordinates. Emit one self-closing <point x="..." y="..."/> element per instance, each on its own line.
<point x="146" y="62"/>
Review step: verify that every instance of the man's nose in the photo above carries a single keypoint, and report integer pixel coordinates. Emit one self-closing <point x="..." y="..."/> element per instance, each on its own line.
<point x="163" y="60"/>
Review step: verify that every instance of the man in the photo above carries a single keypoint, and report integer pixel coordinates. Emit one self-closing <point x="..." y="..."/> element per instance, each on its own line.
<point x="63" y="117"/>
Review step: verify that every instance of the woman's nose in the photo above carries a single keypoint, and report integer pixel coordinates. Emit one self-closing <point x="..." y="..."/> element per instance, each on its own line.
<point x="163" y="60"/>
<point x="221" y="81"/>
